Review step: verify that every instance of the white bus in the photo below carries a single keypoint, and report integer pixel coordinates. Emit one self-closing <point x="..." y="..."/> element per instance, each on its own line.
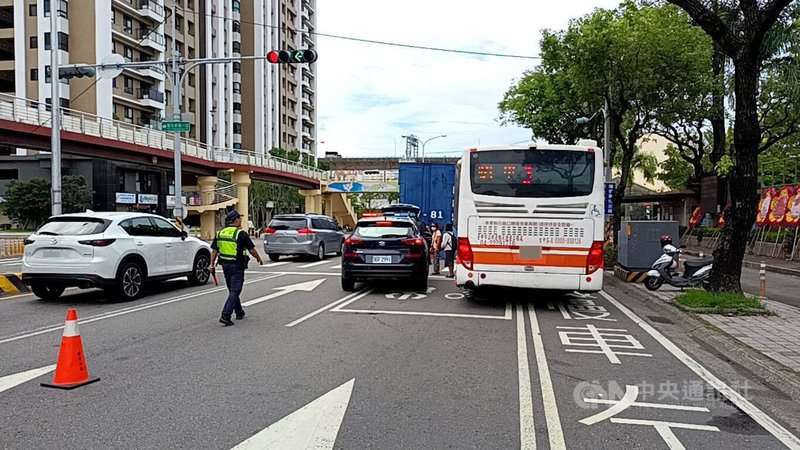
<point x="531" y="217"/>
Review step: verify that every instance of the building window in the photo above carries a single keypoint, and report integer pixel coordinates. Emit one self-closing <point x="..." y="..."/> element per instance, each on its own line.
<point x="62" y="8"/>
<point x="236" y="26"/>
<point x="32" y="10"/>
<point x="237" y="47"/>
<point x="9" y="174"/>
<point x="237" y="107"/>
<point x="237" y="128"/>
<point x="113" y="16"/>
<point x="191" y="53"/>
<point x="237" y="6"/>
<point x="34" y="74"/>
<point x="178" y="22"/>
<point x="190" y="4"/>
<point x="128" y="114"/>
<point x="127" y="24"/>
<point x="128" y="85"/>
<point x="63" y="41"/>
<point x="114" y="85"/>
<point x="191" y="79"/>
<point x="191" y="105"/>
<point x="127" y="53"/>
<point x="47" y="76"/>
<point x="190" y="27"/>
<point x="237" y="67"/>
<point x="34" y="42"/>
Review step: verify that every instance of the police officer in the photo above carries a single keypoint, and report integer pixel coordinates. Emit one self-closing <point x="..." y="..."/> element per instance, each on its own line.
<point x="231" y="244"/>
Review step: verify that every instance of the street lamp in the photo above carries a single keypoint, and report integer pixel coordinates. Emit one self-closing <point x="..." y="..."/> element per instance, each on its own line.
<point x="423" y="145"/>
<point x="606" y="135"/>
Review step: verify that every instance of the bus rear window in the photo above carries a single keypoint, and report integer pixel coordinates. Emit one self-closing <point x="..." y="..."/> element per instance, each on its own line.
<point x="532" y="173"/>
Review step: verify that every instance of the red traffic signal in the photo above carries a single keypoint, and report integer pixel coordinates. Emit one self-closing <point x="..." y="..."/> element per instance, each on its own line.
<point x="292" y="57"/>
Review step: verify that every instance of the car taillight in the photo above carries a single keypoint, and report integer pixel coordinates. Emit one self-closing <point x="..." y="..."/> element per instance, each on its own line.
<point x="351" y="241"/>
<point x="417" y="241"/>
<point x="305" y="231"/>
<point x="383" y="223"/>
<point x="465" y="255"/>
<point x="270" y="231"/>
<point x="98" y="242"/>
<point x="594" y="261"/>
<point x="28" y="241"/>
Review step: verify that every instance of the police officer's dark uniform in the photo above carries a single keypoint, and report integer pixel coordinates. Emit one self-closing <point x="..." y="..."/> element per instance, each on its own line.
<point x="232" y="245"/>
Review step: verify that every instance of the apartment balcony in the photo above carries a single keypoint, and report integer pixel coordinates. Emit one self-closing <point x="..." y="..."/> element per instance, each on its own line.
<point x="237" y="138"/>
<point x="152" y="39"/>
<point x="307" y="41"/>
<point x="307" y="137"/>
<point x="151" y="9"/>
<point x="236" y="36"/>
<point x="307" y="6"/>
<point x="306" y="103"/>
<point x="148" y="72"/>
<point x="308" y="73"/>
<point x="237" y="97"/>
<point x="307" y="87"/>
<point x="237" y="117"/>
<point x="307" y="118"/>
<point x="307" y="23"/>
<point x="151" y="98"/>
<point x="237" y="77"/>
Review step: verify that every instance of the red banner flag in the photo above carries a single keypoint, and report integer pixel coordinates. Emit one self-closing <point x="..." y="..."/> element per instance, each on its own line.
<point x="764" y="205"/>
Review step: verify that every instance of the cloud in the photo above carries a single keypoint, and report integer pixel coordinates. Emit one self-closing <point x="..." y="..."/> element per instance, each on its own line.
<point x="370" y="95"/>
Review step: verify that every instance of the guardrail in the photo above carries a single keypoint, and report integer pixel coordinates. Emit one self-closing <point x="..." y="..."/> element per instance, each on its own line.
<point x="38" y="113"/>
<point x="11" y="247"/>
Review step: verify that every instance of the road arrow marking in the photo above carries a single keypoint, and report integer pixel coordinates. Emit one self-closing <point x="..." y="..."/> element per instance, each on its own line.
<point x="410" y="295"/>
<point x="314" y="426"/>
<point x="306" y="286"/>
<point x="304" y="266"/>
<point x="9" y="381"/>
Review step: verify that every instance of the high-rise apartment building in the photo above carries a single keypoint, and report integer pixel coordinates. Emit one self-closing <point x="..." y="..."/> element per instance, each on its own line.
<point x="248" y="105"/>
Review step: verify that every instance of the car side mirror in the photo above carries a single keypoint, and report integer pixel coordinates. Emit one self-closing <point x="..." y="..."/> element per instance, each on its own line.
<point x="184" y="235"/>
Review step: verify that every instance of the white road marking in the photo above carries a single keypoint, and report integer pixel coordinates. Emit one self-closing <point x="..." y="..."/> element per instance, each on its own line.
<point x="527" y="430"/>
<point x="603" y="401"/>
<point x="564" y="312"/>
<point x="323" y="274"/>
<point x="10" y="263"/>
<point x="9" y="381"/>
<point x="275" y="264"/>
<point x="665" y="429"/>
<point x="554" y="430"/>
<point x="314" y="426"/>
<point x="305" y="266"/>
<point x="418" y="313"/>
<point x="130" y="309"/>
<point x="306" y="286"/>
<point x="330" y="305"/>
<point x="338" y="266"/>
<point x="631" y="393"/>
<point x="737" y="399"/>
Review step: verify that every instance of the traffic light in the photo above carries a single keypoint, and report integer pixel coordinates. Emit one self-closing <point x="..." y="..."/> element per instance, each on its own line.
<point x="292" y="57"/>
<point x="75" y="71"/>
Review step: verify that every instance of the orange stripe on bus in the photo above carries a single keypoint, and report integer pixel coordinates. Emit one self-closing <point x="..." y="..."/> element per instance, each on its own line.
<point x="513" y="259"/>
<point x="516" y="247"/>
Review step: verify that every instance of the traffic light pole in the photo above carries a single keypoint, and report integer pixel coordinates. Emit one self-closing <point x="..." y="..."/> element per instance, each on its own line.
<point x="176" y="116"/>
<point x="55" y="114"/>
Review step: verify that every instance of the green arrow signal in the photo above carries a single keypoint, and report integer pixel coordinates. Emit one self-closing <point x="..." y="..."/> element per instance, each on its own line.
<point x="297" y="55"/>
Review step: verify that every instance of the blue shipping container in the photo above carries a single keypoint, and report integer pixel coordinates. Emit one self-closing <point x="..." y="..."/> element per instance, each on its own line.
<point x="429" y="186"/>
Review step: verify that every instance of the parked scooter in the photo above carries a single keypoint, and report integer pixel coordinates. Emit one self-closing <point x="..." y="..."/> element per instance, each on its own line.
<point x="664" y="269"/>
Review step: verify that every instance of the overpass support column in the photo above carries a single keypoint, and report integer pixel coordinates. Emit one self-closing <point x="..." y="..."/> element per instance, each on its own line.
<point x="207" y="218"/>
<point x="242" y="180"/>
<point x="313" y="200"/>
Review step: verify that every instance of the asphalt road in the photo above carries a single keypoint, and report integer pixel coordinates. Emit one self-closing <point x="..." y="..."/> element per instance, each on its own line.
<point x="383" y="367"/>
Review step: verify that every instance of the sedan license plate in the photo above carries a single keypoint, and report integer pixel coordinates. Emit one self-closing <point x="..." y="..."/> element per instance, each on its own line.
<point x="53" y="253"/>
<point x="381" y="259"/>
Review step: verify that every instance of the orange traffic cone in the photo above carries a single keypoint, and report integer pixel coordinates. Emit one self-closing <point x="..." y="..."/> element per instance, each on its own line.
<point x="71" y="369"/>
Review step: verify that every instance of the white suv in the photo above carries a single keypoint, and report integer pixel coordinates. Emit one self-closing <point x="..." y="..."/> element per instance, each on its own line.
<point x="116" y="251"/>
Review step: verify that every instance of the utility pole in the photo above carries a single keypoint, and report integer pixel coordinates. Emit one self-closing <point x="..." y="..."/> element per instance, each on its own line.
<point x="55" y="113"/>
<point x="176" y="116"/>
<point x="607" y="138"/>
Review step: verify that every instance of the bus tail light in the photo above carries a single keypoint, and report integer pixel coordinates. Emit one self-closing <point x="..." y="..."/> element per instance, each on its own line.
<point x="594" y="261"/>
<point x="465" y="256"/>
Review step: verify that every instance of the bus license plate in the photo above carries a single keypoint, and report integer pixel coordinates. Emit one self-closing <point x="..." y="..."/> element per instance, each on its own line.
<point x="530" y="252"/>
<point x="381" y="259"/>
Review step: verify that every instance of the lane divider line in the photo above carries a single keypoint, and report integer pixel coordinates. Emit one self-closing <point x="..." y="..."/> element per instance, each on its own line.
<point x="304" y="266"/>
<point x="527" y="430"/>
<point x="418" y="313"/>
<point x="551" y="416"/>
<point x="9" y="381"/>
<point x="774" y="428"/>
<point x="128" y="310"/>
<point x="360" y="293"/>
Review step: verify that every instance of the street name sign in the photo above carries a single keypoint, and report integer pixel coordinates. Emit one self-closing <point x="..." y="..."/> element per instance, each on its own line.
<point x="176" y="127"/>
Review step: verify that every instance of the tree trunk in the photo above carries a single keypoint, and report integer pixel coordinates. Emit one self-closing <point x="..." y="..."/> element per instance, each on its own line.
<point x="718" y="106"/>
<point x="619" y="194"/>
<point x="725" y="276"/>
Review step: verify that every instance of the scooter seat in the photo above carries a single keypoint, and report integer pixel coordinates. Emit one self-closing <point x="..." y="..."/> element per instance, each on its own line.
<point x="695" y="263"/>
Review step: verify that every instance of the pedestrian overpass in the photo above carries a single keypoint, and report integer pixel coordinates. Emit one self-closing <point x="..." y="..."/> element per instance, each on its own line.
<point x="26" y="124"/>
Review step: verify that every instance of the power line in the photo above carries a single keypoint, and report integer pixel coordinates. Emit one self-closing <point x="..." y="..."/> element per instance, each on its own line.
<point x="377" y="42"/>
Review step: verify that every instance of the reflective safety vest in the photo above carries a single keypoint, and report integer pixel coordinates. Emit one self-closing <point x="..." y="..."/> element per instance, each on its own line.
<point x="226" y="243"/>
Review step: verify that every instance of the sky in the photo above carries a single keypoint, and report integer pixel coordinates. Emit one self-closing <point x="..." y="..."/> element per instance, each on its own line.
<point x="370" y="95"/>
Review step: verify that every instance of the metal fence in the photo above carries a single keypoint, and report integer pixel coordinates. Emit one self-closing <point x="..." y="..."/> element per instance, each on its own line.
<point x="37" y="113"/>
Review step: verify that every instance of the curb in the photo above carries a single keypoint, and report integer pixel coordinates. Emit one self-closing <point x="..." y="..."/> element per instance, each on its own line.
<point x="11" y="283"/>
<point x="755" y="265"/>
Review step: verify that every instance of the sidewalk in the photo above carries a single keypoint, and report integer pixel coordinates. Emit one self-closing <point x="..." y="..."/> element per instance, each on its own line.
<point x="777" y="336"/>
<point x="776" y="265"/>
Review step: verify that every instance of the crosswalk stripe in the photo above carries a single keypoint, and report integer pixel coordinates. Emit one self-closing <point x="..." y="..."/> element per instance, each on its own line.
<point x="276" y="264"/>
<point x="338" y="266"/>
<point x="305" y="266"/>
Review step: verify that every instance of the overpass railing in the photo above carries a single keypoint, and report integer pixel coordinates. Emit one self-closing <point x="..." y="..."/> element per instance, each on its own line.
<point x="31" y="112"/>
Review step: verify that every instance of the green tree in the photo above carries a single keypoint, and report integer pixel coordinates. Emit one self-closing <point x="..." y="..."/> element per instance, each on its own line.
<point x="28" y="203"/>
<point x="675" y="172"/>
<point x="739" y="28"/>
